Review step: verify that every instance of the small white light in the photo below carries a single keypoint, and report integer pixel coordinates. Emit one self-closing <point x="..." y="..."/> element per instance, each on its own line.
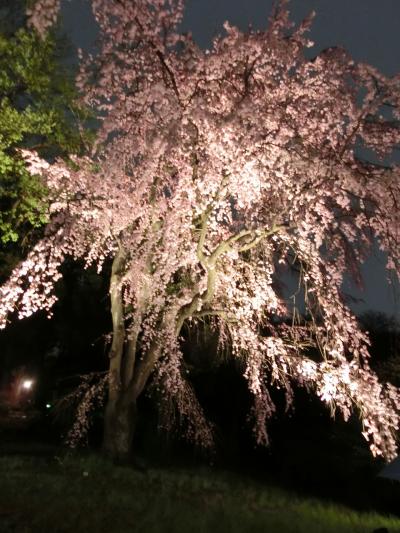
<point x="48" y="405"/>
<point x="27" y="384"/>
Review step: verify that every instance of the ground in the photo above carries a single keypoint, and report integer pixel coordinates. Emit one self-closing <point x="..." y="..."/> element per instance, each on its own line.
<point x="85" y="494"/>
<point x="49" y="489"/>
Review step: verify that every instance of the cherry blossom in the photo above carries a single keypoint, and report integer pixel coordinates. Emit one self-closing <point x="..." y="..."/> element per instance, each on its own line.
<point x="213" y="170"/>
<point x="42" y="15"/>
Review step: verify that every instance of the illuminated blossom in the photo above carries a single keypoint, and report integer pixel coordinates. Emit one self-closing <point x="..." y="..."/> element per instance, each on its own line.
<point x="215" y="169"/>
<point x="43" y="14"/>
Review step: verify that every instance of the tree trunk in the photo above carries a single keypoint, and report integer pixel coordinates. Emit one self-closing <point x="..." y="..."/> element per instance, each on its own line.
<point x="119" y="427"/>
<point x="128" y="375"/>
<point x="120" y="412"/>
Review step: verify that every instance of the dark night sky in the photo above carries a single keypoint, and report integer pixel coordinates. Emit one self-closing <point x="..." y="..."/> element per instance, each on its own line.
<point x="368" y="29"/>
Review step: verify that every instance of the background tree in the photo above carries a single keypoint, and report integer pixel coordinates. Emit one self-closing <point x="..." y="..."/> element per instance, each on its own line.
<point x="213" y="169"/>
<point x="39" y="110"/>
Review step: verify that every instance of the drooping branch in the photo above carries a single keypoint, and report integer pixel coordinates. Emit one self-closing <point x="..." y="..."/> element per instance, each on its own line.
<point x="164" y="64"/>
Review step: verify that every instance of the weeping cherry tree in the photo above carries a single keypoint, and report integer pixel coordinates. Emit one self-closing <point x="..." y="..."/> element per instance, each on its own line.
<point x="213" y="169"/>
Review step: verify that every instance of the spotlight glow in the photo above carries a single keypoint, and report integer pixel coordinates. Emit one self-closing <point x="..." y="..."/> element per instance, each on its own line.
<point x="27" y="384"/>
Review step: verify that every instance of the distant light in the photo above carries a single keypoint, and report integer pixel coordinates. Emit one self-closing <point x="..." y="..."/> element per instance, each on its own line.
<point x="48" y="405"/>
<point x="27" y="384"/>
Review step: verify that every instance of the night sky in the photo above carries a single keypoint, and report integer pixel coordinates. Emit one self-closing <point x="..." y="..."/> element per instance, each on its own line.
<point x="368" y="29"/>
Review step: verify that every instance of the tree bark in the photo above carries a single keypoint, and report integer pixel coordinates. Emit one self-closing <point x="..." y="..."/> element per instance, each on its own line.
<point x="128" y="375"/>
<point x="119" y="427"/>
<point x="120" y="412"/>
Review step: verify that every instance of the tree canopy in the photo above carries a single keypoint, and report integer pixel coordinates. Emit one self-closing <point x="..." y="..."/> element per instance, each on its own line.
<point x="38" y="110"/>
<point x="214" y="169"/>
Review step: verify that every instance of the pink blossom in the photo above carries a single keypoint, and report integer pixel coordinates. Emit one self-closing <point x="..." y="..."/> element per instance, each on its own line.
<point x="212" y="171"/>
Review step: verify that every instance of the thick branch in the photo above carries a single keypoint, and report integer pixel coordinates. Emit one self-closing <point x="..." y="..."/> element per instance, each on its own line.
<point x="204" y="222"/>
<point x="144" y="368"/>
<point x="198" y="301"/>
<point x="145" y="365"/>
<point x="202" y="238"/>
<point x="248" y="238"/>
<point x="130" y="356"/>
<point x="133" y="335"/>
<point x="117" y="314"/>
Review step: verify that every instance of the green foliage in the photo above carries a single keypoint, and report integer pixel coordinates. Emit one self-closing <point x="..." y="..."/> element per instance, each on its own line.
<point x="38" y="110"/>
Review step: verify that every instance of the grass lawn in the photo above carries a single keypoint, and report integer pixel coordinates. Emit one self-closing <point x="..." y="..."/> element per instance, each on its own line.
<point x="87" y="494"/>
